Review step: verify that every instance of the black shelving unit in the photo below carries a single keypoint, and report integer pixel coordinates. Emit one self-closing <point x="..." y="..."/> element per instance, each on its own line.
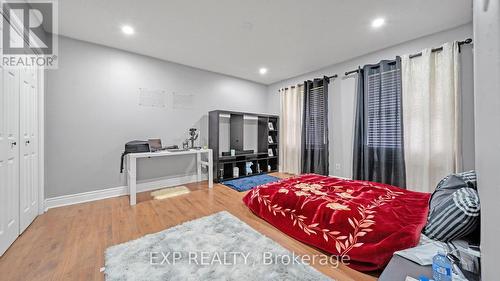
<point x="262" y="161"/>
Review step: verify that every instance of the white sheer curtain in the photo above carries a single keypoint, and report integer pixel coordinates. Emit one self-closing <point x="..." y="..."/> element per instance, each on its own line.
<point x="290" y="130"/>
<point x="431" y="116"/>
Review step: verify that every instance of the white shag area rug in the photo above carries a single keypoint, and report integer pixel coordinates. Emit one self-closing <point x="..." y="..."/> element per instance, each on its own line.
<point x="216" y="247"/>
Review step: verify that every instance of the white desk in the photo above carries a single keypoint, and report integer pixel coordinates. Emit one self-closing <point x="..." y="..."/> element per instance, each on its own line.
<point x="132" y="166"/>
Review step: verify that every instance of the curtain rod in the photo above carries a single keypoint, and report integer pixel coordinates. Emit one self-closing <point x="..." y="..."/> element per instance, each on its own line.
<point x="460" y="43"/>
<point x="291" y="87"/>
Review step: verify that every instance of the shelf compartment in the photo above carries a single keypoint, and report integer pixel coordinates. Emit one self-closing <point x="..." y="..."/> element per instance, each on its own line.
<point x="273" y="162"/>
<point x="227" y="170"/>
<point x="263" y="165"/>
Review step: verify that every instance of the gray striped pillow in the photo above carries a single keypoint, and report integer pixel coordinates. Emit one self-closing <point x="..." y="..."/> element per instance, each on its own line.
<point x="470" y="178"/>
<point x="454" y="216"/>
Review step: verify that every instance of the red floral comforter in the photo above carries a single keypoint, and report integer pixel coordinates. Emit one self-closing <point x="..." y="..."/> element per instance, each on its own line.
<point x="365" y="221"/>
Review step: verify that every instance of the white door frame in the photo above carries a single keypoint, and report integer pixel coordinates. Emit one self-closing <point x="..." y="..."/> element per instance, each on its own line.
<point x="41" y="141"/>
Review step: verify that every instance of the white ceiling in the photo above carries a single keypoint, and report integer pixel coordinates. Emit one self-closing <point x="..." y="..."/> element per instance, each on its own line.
<point x="237" y="37"/>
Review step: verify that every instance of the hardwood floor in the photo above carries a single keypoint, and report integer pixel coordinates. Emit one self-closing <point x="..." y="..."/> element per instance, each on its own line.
<point x="68" y="243"/>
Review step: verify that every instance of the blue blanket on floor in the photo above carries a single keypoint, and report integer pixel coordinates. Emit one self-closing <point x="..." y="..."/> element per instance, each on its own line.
<point x="247" y="183"/>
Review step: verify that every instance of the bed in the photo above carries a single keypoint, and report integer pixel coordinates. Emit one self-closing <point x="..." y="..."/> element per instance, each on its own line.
<point x="364" y="221"/>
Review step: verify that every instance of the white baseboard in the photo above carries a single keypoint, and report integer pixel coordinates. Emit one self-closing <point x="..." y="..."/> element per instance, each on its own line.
<point x="83" y="197"/>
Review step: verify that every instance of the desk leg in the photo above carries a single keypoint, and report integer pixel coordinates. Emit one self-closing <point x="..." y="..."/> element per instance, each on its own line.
<point x="210" y="169"/>
<point x="132" y="182"/>
<point x="198" y="166"/>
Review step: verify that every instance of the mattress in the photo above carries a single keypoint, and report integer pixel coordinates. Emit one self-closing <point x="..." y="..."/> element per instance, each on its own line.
<point x="363" y="222"/>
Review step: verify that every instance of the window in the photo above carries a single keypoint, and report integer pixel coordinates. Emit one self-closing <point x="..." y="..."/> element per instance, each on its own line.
<point x="384" y="108"/>
<point x="316" y="126"/>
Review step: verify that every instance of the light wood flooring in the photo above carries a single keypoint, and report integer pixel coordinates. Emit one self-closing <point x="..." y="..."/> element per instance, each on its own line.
<point x="68" y="243"/>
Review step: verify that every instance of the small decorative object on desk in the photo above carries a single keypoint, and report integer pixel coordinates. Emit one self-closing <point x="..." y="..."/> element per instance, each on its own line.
<point x="269" y="168"/>
<point x="248" y="168"/>
<point x="236" y="172"/>
<point x="185" y="145"/>
<point x="270" y="139"/>
<point x="193" y="133"/>
<point x="258" y="169"/>
<point x="270" y="152"/>
<point x="233" y="152"/>
<point x="271" y="127"/>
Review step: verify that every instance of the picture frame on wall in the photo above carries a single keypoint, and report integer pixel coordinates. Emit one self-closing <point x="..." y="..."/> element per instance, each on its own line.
<point x="271" y="126"/>
<point x="270" y="152"/>
<point x="270" y="139"/>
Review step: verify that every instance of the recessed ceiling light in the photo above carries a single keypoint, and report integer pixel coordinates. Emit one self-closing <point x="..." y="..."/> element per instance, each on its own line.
<point x="127" y="29"/>
<point x="378" y="22"/>
<point x="263" y="70"/>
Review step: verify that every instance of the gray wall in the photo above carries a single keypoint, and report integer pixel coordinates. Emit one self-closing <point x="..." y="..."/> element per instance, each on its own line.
<point x="341" y="100"/>
<point x="92" y="110"/>
<point x="487" y="94"/>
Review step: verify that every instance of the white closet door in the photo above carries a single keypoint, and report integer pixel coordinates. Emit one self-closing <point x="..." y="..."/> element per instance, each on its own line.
<point x="28" y="147"/>
<point x="9" y="158"/>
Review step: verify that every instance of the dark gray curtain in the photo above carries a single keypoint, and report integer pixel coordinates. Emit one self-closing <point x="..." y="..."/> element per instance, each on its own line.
<point x="315" y="127"/>
<point x="378" y="136"/>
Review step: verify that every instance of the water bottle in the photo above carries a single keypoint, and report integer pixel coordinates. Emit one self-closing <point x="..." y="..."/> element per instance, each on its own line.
<point x="441" y="267"/>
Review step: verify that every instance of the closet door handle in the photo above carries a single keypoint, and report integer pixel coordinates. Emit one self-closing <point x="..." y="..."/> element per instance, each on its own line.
<point x="12" y="144"/>
<point x="27" y="142"/>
